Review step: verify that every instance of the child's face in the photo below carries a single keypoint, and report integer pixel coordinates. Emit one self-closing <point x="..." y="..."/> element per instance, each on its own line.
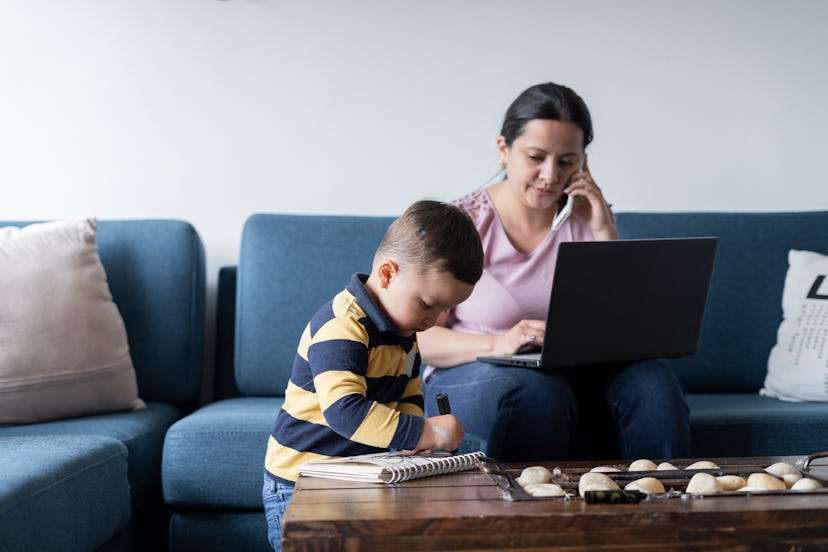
<point x="412" y="300"/>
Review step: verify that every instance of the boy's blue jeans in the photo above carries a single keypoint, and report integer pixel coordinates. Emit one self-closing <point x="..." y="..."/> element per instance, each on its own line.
<point x="275" y="496"/>
<point x="622" y="410"/>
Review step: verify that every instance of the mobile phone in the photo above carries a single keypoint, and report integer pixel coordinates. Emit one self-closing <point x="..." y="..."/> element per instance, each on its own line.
<point x="563" y="214"/>
<point x="566" y="210"/>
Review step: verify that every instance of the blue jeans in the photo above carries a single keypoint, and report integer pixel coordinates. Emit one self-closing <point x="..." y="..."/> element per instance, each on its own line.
<point x="607" y="411"/>
<point x="275" y="496"/>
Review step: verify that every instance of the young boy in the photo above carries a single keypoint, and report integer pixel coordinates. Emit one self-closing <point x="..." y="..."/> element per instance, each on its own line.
<point x="355" y="383"/>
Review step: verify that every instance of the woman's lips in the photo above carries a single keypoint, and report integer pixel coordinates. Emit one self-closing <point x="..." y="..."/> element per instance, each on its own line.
<point x="544" y="191"/>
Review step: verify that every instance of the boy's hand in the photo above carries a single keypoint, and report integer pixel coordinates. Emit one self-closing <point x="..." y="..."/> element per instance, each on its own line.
<point x="440" y="433"/>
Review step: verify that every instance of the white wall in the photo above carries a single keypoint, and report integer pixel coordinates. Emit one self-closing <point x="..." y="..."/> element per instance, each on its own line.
<point x="211" y="110"/>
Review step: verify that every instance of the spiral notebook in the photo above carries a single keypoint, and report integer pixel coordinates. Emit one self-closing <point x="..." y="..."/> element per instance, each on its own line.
<point x="389" y="467"/>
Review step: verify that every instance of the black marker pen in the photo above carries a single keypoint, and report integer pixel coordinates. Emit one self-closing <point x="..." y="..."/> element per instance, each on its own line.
<point x="443" y="406"/>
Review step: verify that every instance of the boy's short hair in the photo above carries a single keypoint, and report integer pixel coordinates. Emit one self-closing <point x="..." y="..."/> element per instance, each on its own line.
<point x="435" y="235"/>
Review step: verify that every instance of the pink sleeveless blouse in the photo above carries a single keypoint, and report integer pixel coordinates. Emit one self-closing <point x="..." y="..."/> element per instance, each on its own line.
<point x="514" y="285"/>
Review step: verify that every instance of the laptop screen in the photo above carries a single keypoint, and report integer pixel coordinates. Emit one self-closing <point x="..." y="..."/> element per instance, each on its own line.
<point x="625" y="300"/>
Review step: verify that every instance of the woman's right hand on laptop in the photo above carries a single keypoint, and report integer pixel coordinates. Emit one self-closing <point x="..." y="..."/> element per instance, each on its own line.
<point x="443" y="347"/>
<point x="524" y="334"/>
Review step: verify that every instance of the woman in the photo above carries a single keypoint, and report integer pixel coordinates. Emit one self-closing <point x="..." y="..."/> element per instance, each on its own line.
<point x="623" y="410"/>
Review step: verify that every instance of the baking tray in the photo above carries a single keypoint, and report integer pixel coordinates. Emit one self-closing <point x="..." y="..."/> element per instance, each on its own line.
<point x="675" y="481"/>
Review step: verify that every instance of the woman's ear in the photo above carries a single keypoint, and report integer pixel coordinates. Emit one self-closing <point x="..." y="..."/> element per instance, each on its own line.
<point x="502" y="150"/>
<point x="387" y="271"/>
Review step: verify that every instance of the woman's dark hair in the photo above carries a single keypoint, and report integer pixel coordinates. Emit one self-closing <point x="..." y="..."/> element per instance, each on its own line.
<point x="546" y="101"/>
<point x="435" y="235"/>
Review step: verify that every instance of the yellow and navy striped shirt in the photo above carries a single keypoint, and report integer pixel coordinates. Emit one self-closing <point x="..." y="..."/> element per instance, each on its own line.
<point x="354" y="387"/>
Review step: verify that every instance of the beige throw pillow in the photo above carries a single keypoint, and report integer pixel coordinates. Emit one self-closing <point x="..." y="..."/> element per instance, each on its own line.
<point x="798" y="363"/>
<point x="63" y="344"/>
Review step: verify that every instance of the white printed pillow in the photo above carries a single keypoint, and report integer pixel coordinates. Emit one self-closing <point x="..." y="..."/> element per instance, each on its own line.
<point x="798" y="363"/>
<point x="63" y="344"/>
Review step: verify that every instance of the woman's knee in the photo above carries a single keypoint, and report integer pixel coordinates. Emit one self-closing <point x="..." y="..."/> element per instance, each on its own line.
<point x="651" y="379"/>
<point x="494" y="401"/>
<point x="503" y="388"/>
<point x="651" y="389"/>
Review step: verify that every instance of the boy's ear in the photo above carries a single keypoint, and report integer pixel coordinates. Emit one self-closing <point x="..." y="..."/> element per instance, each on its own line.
<point x="387" y="270"/>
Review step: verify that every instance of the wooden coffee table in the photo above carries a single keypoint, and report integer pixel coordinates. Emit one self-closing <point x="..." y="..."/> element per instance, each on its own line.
<point x="466" y="511"/>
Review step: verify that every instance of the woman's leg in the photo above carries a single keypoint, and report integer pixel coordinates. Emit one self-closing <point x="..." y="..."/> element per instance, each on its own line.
<point x="632" y="411"/>
<point x="524" y="414"/>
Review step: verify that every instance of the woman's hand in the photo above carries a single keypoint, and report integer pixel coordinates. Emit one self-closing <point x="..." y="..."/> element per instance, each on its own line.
<point x="589" y="205"/>
<point x="525" y="332"/>
<point x="442" y="347"/>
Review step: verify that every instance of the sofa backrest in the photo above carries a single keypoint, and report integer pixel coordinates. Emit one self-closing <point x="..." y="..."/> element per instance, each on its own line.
<point x="156" y="274"/>
<point x="289" y="266"/>
<point x="224" y="376"/>
<point x="744" y="307"/>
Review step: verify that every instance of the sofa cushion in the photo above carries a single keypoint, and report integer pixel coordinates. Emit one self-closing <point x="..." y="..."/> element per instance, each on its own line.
<point x="63" y="345"/>
<point x="62" y="492"/>
<point x="221" y="531"/>
<point x="157" y="275"/>
<point x="743" y="307"/>
<point x="215" y="456"/>
<point x="746" y="424"/>
<point x="142" y="432"/>
<point x="289" y="266"/>
<point x="797" y="369"/>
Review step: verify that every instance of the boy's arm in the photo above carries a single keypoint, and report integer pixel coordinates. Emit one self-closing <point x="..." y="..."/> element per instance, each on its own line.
<point x="338" y="357"/>
<point x="442" y="432"/>
<point x="412" y="399"/>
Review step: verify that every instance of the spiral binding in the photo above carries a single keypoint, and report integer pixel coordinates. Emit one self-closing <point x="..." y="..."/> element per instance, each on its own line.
<point x="434" y="466"/>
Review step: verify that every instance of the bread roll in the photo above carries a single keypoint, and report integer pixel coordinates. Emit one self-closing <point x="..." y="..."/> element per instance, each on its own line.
<point x="790" y="479"/>
<point x="702" y="465"/>
<point x="704" y="483"/>
<point x="781" y="469"/>
<point x="642" y="465"/>
<point x="595" y="481"/>
<point x="604" y="469"/>
<point x="806" y="484"/>
<point x="646" y="485"/>
<point x="751" y="489"/>
<point x="731" y="482"/>
<point x="544" y="489"/>
<point x="765" y="481"/>
<point x="534" y="474"/>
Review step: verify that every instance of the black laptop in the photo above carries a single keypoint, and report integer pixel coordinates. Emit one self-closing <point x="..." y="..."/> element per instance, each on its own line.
<point x="623" y="300"/>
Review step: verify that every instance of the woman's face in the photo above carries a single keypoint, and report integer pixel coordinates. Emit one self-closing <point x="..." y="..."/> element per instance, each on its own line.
<point x="541" y="161"/>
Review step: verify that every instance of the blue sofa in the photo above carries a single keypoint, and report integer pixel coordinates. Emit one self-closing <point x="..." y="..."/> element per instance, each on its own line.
<point x="744" y="309"/>
<point x="291" y="264"/>
<point x="75" y="484"/>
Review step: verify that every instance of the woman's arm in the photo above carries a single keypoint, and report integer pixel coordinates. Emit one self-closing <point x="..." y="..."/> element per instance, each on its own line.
<point x="442" y="347"/>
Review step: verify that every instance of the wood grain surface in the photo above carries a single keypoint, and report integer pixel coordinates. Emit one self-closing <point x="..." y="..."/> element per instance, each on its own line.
<point x="466" y="511"/>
